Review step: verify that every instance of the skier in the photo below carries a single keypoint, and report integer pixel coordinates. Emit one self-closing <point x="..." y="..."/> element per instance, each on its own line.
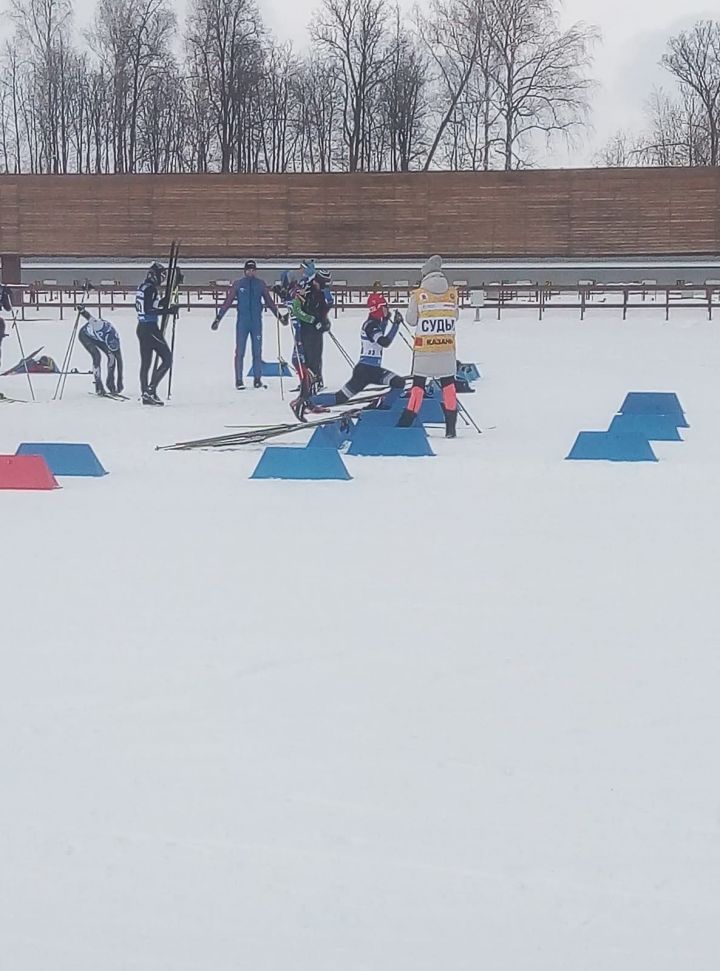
<point x="309" y="312"/>
<point x="292" y="280"/>
<point x="377" y="303"/>
<point x="251" y="293"/>
<point x="98" y="337"/>
<point x="375" y="336"/>
<point x="433" y="311"/>
<point x="303" y="325"/>
<point x="149" y="306"/>
<point x="318" y="303"/>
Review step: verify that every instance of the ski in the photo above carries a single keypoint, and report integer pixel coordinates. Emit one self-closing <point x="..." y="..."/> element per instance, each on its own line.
<point x="354" y="404"/>
<point x="253" y="436"/>
<point x="20" y="368"/>
<point x="114" y="397"/>
<point x="12" y="401"/>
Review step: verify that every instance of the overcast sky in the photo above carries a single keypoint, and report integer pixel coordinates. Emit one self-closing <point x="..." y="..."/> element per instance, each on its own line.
<point x="634" y="35"/>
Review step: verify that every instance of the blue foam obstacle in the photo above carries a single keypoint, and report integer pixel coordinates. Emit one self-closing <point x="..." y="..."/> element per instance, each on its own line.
<point x="654" y="403"/>
<point x="64" y="458"/>
<point x="286" y="462"/>
<point x="612" y="447"/>
<point x="271" y="369"/>
<point x="380" y="417"/>
<point x="330" y="436"/>
<point x="656" y="428"/>
<point x="379" y="440"/>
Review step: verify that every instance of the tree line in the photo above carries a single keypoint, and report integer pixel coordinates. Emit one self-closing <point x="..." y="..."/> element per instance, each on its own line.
<point x="683" y="124"/>
<point x="459" y="84"/>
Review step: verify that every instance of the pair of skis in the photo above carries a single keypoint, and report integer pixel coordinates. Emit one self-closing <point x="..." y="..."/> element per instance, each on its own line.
<point x="113" y="395"/>
<point x="254" y="435"/>
<point x="170" y="297"/>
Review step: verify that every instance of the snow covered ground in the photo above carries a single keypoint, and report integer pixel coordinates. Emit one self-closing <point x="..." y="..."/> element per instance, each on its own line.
<point x="460" y="712"/>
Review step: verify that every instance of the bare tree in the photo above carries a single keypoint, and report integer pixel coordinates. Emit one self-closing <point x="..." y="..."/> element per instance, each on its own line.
<point x="694" y="59"/>
<point x="223" y="45"/>
<point x="540" y="72"/>
<point x="452" y="32"/>
<point x="319" y="91"/>
<point x="351" y="34"/>
<point x="623" y="150"/>
<point x="131" y="39"/>
<point x="43" y="34"/>
<point x="403" y="107"/>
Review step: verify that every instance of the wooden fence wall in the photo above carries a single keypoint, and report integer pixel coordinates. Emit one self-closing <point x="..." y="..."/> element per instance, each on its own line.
<point x="554" y="213"/>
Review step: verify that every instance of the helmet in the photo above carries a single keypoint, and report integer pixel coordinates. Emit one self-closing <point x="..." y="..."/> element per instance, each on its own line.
<point x="308" y="268"/>
<point x="156" y="273"/>
<point x="323" y="277"/>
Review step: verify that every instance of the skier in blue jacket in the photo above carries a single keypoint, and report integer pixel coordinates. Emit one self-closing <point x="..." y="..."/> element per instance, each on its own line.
<point x="250" y="293"/>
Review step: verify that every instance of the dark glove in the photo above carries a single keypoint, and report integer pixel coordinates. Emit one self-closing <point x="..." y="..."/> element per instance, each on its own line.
<point x="325" y="325"/>
<point x="215" y="324"/>
<point x="397" y="318"/>
<point x="284" y="316"/>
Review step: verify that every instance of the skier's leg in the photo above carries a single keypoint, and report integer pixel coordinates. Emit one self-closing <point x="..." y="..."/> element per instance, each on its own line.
<point x="449" y="405"/>
<point x="119" y="361"/>
<point x="92" y="348"/>
<point x="159" y="345"/>
<point x="256" y="346"/>
<point x="396" y="384"/>
<point x="146" y="353"/>
<point x="357" y="381"/>
<point x="241" y="335"/>
<point x="417" y="393"/>
<point x="111" y="368"/>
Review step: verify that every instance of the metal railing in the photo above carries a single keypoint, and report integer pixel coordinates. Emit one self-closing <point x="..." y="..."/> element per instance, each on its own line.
<point x="497" y="298"/>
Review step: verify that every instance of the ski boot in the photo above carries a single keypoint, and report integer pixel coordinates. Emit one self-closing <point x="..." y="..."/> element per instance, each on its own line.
<point x="450" y="423"/>
<point x="240" y="385"/>
<point x="406" y="418"/>
<point x="99" y="390"/>
<point x="257" y="383"/>
<point x="150" y="398"/>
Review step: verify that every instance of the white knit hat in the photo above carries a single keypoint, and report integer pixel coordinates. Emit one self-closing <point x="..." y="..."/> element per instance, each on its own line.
<point x="433" y="265"/>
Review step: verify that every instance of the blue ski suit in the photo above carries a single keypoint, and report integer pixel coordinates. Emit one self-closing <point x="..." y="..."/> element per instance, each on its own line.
<point x="250" y="293"/>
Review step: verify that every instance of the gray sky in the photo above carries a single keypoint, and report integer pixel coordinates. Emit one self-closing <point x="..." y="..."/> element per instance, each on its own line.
<point x="634" y="35"/>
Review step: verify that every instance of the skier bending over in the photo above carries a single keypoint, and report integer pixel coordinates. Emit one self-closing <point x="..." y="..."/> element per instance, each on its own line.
<point x="99" y="337"/>
<point x="375" y="336"/>
<point x="149" y="306"/>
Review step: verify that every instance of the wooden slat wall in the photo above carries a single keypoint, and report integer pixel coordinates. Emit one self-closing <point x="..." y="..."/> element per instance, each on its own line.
<point x="564" y="213"/>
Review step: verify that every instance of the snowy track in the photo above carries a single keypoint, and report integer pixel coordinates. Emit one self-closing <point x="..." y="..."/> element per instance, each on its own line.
<point x="458" y="713"/>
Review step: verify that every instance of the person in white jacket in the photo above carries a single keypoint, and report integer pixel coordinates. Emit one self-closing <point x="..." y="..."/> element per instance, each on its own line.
<point x="433" y="311"/>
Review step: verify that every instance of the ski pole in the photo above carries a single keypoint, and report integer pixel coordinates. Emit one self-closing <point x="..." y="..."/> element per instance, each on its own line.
<point x="172" y="356"/>
<point x="60" y="387"/>
<point x="280" y="359"/>
<point x="468" y="418"/>
<point x="22" y="352"/>
<point x="336" y="342"/>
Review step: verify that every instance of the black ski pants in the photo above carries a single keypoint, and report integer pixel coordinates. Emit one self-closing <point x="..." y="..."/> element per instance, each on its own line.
<point x="152" y="342"/>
